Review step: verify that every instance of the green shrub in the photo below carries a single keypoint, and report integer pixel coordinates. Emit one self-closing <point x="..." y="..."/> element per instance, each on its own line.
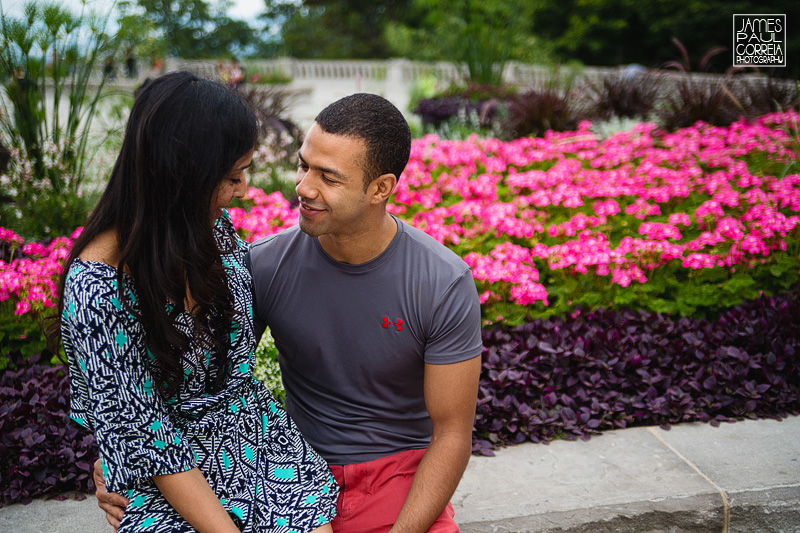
<point x="268" y="78"/>
<point x="19" y="335"/>
<point x="266" y="368"/>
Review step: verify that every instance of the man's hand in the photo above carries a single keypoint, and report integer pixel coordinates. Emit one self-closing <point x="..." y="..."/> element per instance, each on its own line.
<point x="112" y="503"/>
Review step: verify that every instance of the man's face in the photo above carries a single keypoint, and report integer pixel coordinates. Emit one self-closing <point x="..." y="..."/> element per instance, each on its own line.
<point x="330" y="184"/>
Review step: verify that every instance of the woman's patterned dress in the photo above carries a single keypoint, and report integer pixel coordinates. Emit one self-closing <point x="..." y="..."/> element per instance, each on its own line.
<point x="251" y="452"/>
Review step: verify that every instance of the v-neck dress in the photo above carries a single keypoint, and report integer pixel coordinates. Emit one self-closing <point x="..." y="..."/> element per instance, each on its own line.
<point x="266" y="475"/>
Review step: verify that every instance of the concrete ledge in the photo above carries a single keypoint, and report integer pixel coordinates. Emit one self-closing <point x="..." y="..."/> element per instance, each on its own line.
<point x="696" y="514"/>
<point x="774" y="509"/>
<point x="694" y="478"/>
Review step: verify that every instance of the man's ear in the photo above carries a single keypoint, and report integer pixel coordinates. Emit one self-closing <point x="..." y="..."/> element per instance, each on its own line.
<point x="381" y="188"/>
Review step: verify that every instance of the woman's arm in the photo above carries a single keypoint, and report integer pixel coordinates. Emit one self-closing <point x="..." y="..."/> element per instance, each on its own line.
<point x="116" y="397"/>
<point x="191" y="495"/>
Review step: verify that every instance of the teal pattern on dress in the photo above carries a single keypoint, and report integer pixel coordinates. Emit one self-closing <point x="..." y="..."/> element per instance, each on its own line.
<point x="264" y="472"/>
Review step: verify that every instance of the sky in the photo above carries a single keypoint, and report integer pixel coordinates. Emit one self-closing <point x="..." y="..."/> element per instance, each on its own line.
<point x="242" y="9"/>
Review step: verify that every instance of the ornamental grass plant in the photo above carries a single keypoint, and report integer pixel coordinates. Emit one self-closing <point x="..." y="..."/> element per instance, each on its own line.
<point x="279" y="138"/>
<point x="49" y="61"/>
<point x="625" y="93"/>
<point x="769" y="96"/>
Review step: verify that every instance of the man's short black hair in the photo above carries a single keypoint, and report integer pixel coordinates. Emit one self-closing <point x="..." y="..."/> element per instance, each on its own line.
<point x="379" y="123"/>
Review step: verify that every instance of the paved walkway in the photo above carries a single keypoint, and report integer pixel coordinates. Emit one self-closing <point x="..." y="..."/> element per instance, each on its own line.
<point x="741" y="477"/>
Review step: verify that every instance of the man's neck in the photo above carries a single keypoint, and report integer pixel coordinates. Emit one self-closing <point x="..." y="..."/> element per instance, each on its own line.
<point x="361" y="247"/>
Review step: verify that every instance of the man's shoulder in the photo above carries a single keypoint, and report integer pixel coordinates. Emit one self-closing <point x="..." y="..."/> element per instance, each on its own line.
<point x="425" y="246"/>
<point x="275" y="241"/>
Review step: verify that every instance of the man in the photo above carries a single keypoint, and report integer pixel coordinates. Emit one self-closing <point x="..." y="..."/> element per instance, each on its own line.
<point x="377" y="326"/>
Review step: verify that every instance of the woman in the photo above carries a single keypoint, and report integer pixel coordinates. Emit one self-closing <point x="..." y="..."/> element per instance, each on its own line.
<point x="156" y="321"/>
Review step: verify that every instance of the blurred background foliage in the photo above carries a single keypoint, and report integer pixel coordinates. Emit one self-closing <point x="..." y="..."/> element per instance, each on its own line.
<point x="48" y="57"/>
<point x="590" y="32"/>
<point x="646" y="39"/>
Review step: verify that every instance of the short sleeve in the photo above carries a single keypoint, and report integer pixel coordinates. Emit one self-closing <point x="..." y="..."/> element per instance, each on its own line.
<point x="456" y="332"/>
<point x="225" y="226"/>
<point x="132" y="427"/>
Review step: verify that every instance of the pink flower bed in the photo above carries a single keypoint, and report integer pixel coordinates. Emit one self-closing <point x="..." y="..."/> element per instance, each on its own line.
<point x="570" y="203"/>
<point x="617" y="208"/>
<point x="30" y="281"/>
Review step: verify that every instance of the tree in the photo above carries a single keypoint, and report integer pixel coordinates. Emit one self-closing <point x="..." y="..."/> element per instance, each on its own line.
<point x="336" y="28"/>
<point x="480" y="34"/>
<point x="138" y="36"/>
<point x="194" y="29"/>
<point x="613" y="32"/>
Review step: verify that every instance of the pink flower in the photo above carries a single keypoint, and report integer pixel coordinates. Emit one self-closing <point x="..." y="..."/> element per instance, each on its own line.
<point x="699" y="260"/>
<point x="606" y="208"/>
<point x="709" y="208"/>
<point x="34" y="248"/>
<point x="23" y="306"/>
<point x="680" y="218"/>
<point x="659" y="232"/>
<point x="10" y="237"/>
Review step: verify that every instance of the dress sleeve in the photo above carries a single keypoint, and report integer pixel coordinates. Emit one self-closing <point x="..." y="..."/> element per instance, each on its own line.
<point x="226" y="227"/>
<point x="133" y="430"/>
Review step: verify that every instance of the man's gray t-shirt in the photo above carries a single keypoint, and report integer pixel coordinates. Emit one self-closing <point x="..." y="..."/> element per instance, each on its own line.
<point x="353" y="339"/>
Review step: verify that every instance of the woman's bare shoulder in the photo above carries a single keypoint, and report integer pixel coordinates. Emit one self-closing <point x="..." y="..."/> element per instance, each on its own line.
<point x="102" y="249"/>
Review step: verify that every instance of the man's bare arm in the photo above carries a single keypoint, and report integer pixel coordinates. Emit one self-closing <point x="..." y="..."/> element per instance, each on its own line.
<point x="451" y="393"/>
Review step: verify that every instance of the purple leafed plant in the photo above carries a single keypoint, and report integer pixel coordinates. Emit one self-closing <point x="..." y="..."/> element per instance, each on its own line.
<point x="42" y="451"/>
<point x="437" y="110"/>
<point x="605" y="369"/>
<point x="556" y="378"/>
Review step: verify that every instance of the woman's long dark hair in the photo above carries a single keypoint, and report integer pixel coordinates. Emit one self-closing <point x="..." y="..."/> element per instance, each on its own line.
<point x="183" y="136"/>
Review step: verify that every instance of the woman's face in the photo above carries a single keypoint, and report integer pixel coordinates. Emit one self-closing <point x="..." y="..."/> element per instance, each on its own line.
<point x="233" y="185"/>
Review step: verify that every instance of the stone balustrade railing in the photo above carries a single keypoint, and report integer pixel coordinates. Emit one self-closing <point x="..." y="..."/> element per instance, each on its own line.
<point x="407" y="72"/>
<point x="317" y="82"/>
<point x="390" y="70"/>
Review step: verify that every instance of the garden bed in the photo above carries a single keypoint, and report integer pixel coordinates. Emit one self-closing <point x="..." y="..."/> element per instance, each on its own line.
<point x="646" y="278"/>
<point x="605" y="369"/>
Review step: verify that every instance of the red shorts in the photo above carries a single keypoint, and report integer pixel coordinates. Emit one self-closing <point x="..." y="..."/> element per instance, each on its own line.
<point x="373" y="493"/>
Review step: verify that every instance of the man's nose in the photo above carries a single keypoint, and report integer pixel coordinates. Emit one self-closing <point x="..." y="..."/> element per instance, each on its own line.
<point x="302" y="185"/>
